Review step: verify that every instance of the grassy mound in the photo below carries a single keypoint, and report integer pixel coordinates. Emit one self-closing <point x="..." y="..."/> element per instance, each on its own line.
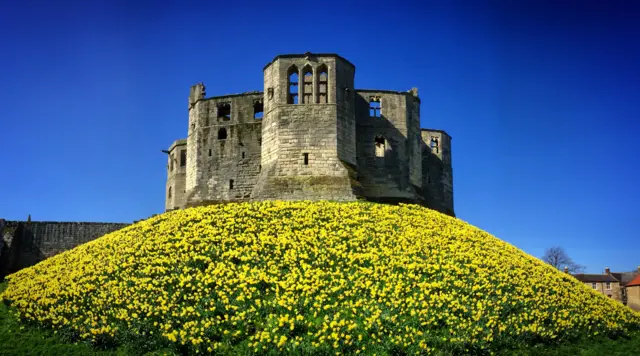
<point x="302" y="277"/>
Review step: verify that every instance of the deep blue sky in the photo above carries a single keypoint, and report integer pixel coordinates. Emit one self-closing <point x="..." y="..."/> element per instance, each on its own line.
<point x="541" y="98"/>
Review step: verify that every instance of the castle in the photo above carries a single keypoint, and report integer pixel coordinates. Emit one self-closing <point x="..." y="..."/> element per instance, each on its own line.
<point x="309" y="135"/>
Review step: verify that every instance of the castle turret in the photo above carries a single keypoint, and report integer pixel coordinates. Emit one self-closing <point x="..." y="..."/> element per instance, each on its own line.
<point x="176" y="175"/>
<point x="308" y="131"/>
<point x="437" y="172"/>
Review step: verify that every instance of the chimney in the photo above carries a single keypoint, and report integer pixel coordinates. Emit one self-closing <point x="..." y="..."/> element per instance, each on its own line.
<point x="607" y="270"/>
<point x="566" y="269"/>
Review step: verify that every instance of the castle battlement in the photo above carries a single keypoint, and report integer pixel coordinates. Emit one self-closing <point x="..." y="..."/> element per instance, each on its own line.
<point x="309" y="135"/>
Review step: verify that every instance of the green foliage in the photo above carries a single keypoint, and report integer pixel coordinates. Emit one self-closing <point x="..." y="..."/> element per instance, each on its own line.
<point x="19" y="339"/>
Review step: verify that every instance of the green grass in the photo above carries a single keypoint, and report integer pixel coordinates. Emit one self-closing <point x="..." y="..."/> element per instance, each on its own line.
<point x="20" y="339"/>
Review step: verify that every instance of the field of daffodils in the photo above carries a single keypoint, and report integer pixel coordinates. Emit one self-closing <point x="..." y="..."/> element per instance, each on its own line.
<point x="309" y="278"/>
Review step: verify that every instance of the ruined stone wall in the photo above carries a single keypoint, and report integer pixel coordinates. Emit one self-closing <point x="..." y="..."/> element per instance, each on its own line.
<point x="8" y="249"/>
<point x="32" y="242"/>
<point x="437" y="173"/>
<point x="325" y="145"/>
<point x="384" y="168"/>
<point x="229" y="147"/>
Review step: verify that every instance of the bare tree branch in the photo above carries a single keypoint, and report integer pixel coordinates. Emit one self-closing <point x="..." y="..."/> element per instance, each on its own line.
<point x="558" y="258"/>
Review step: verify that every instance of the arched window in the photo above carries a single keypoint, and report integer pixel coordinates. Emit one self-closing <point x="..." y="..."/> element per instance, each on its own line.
<point x="222" y="134"/>
<point x="169" y="195"/>
<point x="307" y="89"/>
<point x="292" y="85"/>
<point x="381" y="146"/>
<point x="323" y="79"/>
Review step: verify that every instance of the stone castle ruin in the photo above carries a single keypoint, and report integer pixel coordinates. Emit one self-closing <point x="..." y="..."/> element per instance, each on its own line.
<point x="310" y="135"/>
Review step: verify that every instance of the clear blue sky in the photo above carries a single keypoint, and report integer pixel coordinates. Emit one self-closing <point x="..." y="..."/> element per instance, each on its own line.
<point x="542" y="99"/>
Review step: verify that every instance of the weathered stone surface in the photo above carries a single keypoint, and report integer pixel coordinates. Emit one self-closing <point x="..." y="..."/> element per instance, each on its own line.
<point x="327" y="145"/>
<point x="27" y="243"/>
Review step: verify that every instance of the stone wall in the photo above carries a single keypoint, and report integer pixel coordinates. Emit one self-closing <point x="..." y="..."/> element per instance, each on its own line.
<point x="437" y="172"/>
<point x="614" y="292"/>
<point x="383" y="150"/>
<point x="27" y="243"/>
<point x="633" y="298"/>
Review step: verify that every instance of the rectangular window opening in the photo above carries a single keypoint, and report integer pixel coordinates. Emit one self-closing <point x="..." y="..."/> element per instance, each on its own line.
<point x="258" y="110"/>
<point x="224" y="111"/>
<point x="380" y="146"/>
<point x="306" y="158"/>
<point x="183" y="158"/>
<point x="231" y="184"/>
<point x="209" y="152"/>
<point x="243" y="154"/>
<point x="374" y="107"/>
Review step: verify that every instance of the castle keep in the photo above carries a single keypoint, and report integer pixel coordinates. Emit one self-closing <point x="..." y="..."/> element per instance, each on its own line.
<point x="309" y="135"/>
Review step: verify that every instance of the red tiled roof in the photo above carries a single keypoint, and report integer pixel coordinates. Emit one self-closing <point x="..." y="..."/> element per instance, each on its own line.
<point x="634" y="282"/>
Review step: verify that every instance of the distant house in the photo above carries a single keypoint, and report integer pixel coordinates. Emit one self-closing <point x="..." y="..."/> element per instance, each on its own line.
<point x="633" y="293"/>
<point x="625" y="278"/>
<point x="605" y="284"/>
<point x="615" y="285"/>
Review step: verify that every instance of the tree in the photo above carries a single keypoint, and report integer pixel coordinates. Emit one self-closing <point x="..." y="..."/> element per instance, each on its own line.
<point x="558" y="258"/>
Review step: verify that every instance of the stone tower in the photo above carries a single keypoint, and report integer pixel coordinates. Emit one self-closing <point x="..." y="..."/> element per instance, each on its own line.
<point x="437" y="172"/>
<point x="308" y="130"/>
